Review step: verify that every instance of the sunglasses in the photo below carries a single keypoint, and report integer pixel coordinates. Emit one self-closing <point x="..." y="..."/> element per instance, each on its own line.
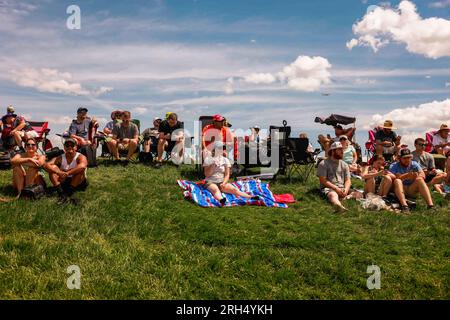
<point x="30" y="145"/>
<point x="69" y="145"/>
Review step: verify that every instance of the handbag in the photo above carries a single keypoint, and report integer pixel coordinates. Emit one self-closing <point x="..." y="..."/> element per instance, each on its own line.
<point x="33" y="192"/>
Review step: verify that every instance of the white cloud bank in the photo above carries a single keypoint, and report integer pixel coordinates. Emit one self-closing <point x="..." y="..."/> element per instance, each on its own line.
<point x="53" y="81"/>
<point x="413" y="122"/>
<point x="304" y="74"/>
<point x="429" y="37"/>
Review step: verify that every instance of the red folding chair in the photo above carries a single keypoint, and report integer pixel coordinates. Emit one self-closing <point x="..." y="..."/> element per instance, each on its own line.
<point x="429" y="138"/>
<point x="42" y="129"/>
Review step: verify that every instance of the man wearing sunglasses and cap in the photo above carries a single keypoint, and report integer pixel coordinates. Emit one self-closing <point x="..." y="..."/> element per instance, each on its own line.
<point x="409" y="180"/>
<point x="81" y="128"/>
<point x="68" y="172"/>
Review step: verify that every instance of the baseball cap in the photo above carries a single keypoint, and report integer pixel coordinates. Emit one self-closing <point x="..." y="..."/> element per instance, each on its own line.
<point x="156" y="118"/>
<point x="335" y="145"/>
<point x="82" y="109"/>
<point x="218" y="117"/>
<point x="256" y="127"/>
<point x="405" y="153"/>
<point x="70" y="140"/>
<point x="9" y="114"/>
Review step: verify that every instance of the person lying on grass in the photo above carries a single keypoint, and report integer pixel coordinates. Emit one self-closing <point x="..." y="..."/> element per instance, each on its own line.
<point x="374" y="176"/>
<point x="217" y="174"/>
<point x="409" y="180"/>
<point x="26" y="167"/>
<point x="68" y="172"/>
<point x="334" y="177"/>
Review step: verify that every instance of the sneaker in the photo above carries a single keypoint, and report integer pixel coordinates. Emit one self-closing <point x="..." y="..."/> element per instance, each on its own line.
<point x="223" y="201"/>
<point x="405" y="209"/>
<point x="431" y="208"/>
<point x="63" y="199"/>
<point x="125" y="163"/>
<point x="158" y="164"/>
<point x="255" y="198"/>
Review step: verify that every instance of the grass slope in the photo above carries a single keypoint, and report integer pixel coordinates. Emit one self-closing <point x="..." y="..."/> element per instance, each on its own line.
<point x="135" y="237"/>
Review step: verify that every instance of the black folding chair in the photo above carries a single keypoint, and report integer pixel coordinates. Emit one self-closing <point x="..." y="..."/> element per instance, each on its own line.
<point x="299" y="160"/>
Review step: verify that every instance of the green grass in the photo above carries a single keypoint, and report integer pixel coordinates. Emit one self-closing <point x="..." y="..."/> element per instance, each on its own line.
<point x="135" y="237"/>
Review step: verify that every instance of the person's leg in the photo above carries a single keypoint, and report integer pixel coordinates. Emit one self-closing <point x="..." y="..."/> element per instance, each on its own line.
<point x="31" y="177"/>
<point x="78" y="179"/>
<point x="369" y="186"/>
<point x="229" y="188"/>
<point x="147" y="146"/>
<point x="385" y="186"/>
<point x="18" y="178"/>
<point x="18" y="138"/>
<point x="161" y="147"/>
<point x="399" y="192"/>
<point x="113" y="149"/>
<point x="419" y="186"/>
<point x="132" y="146"/>
<point x="214" y="189"/>
<point x="333" y="198"/>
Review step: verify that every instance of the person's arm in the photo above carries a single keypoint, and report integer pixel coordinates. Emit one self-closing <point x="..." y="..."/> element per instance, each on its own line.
<point x="53" y="166"/>
<point x="355" y="156"/>
<point x="19" y="127"/>
<point x="327" y="184"/>
<point x="365" y="174"/>
<point x="347" y="185"/>
<point x="226" y="175"/>
<point x="81" y="166"/>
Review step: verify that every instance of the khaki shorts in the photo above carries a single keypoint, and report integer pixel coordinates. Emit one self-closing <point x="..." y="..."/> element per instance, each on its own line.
<point x="30" y="134"/>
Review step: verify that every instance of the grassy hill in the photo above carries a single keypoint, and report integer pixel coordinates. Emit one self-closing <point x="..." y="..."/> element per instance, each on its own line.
<point x="135" y="237"/>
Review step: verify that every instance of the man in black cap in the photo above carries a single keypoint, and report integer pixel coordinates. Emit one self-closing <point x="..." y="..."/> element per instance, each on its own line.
<point x="410" y="180"/>
<point x="68" y="171"/>
<point x="80" y="128"/>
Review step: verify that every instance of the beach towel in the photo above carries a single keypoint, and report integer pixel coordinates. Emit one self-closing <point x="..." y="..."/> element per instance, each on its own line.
<point x="201" y="196"/>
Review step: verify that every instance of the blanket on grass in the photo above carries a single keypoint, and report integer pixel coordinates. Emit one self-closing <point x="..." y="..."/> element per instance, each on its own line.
<point x="201" y="196"/>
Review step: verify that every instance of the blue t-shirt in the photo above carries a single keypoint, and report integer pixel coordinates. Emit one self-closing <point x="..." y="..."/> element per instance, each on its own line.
<point x="397" y="168"/>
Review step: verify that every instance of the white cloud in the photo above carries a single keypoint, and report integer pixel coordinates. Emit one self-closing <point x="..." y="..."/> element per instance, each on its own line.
<point x="413" y="122"/>
<point x="447" y="84"/>
<point x="139" y="111"/>
<point x="440" y="4"/>
<point x="429" y="37"/>
<point x="229" y="89"/>
<point x="53" y="81"/>
<point x="364" y="81"/>
<point x="258" y="78"/>
<point x="304" y="74"/>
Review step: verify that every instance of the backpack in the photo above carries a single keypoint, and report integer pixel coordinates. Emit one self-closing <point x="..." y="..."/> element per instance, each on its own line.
<point x="33" y="192"/>
<point x="90" y="152"/>
<point x="5" y="160"/>
<point x="145" y="157"/>
<point x="53" y="153"/>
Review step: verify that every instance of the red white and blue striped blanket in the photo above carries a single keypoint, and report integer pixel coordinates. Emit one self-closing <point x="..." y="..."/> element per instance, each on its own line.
<point x="200" y="195"/>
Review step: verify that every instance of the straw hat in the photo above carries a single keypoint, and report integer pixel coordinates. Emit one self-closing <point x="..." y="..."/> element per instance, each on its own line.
<point x="388" y="124"/>
<point x="444" y="127"/>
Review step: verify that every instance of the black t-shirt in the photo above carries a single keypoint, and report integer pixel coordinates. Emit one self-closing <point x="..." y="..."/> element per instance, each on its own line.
<point x="382" y="136"/>
<point x="165" y="128"/>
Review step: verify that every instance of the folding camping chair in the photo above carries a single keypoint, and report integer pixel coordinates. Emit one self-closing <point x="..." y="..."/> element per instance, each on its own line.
<point x="299" y="160"/>
<point x="429" y="139"/>
<point x="43" y="143"/>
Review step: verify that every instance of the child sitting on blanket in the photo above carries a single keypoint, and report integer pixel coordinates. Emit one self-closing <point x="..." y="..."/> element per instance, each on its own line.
<point x="217" y="172"/>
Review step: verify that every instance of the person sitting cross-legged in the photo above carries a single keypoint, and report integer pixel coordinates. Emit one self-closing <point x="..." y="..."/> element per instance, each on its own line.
<point x="217" y="174"/>
<point x="409" y="180"/>
<point x="433" y="177"/>
<point x="125" y="136"/>
<point x="26" y="167"/>
<point x="68" y="172"/>
<point x="334" y="177"/>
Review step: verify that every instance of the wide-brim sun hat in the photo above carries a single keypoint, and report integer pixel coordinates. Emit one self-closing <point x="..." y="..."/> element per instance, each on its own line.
<point x="388" y="124"/>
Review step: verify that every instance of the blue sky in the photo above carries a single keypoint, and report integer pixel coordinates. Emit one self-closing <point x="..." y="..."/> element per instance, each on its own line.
<point x="193" y="57"/>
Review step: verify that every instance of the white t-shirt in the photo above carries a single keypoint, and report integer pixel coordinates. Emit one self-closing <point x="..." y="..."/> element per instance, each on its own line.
<point x="219" y="164"/>
<point x="438" y="140"/>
